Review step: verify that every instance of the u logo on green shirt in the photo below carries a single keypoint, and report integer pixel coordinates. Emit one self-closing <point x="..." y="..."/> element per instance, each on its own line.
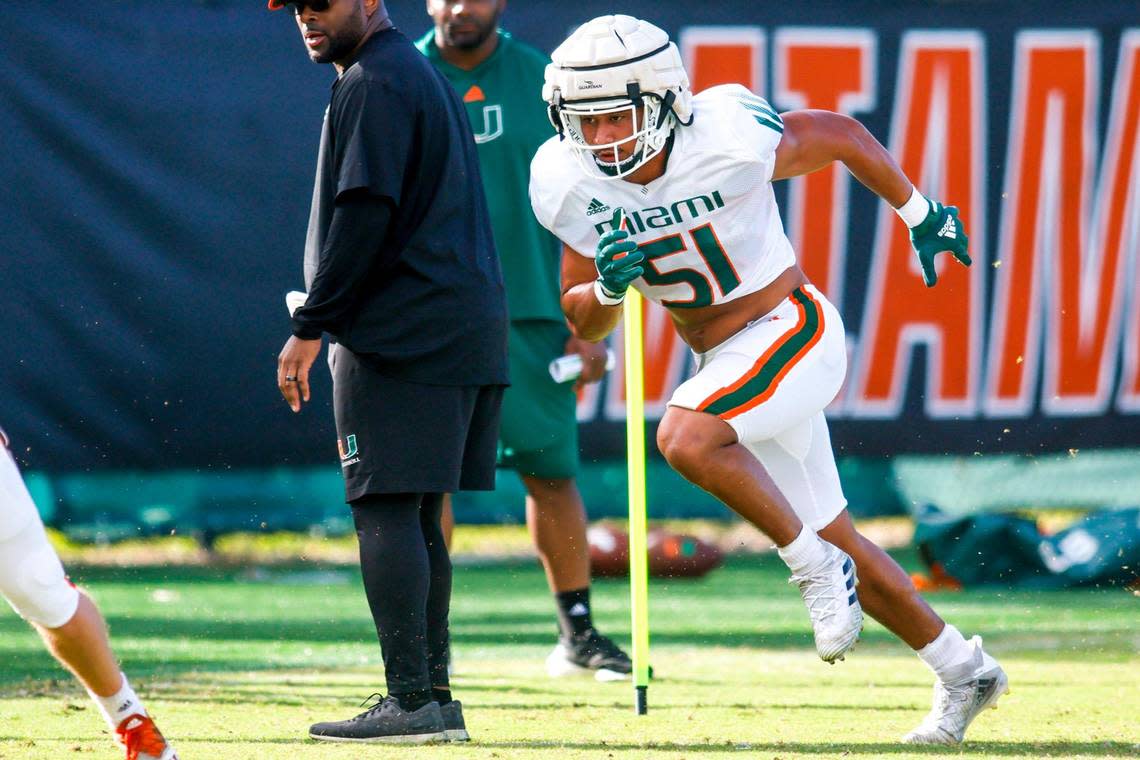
<point x="492" y="123"/>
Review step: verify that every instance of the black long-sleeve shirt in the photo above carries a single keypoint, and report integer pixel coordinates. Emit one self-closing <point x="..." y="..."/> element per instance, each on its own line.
<point x="359" y="223"/>
<point x="399" y="259"/>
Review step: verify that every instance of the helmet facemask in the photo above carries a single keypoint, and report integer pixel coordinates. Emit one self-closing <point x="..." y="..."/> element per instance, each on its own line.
<point x="652" y="117"/>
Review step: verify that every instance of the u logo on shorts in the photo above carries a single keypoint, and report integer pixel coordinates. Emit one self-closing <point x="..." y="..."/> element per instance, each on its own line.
<point x="761" y="380"/>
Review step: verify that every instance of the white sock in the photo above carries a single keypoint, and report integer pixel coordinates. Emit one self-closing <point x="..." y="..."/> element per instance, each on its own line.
<point x="950" y="656"/>
<point x="804" y="553"/>
<point x="117" y="707"/>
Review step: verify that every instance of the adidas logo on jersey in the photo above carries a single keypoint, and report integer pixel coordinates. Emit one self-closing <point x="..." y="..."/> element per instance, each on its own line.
<point x="596" y="207"/>
<point x="948" y="230"/>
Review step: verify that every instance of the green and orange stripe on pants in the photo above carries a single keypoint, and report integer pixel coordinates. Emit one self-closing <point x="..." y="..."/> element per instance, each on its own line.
<point x="760" y="382"/>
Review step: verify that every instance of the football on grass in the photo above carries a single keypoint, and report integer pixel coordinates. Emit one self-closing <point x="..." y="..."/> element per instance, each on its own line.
<point x="671" y="555"/>
<point x="674" y="555"/>
<point x="609" y="551"/>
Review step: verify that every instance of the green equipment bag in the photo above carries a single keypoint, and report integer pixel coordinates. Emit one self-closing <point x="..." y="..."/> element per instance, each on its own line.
<point x="1101" y="549"/>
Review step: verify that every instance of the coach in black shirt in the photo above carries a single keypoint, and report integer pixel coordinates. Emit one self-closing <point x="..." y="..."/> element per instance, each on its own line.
<point x="403" y="276"/>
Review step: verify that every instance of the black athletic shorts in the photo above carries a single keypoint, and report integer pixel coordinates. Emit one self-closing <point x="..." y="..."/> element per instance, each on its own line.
<point x="396" y="436"/>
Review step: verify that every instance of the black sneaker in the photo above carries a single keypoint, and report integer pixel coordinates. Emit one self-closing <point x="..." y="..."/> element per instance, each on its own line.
<point x="454" y="728"/>
<point x="589" y="653"/>
<point x="385" y="722"/>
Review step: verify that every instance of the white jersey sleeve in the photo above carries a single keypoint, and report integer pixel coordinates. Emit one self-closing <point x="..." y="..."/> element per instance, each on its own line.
<point x="560" y="200"/>
<point x="755" y="123"/>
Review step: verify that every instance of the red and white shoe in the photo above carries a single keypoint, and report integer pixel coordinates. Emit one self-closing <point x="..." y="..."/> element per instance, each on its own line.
<point x="143" y="740"/>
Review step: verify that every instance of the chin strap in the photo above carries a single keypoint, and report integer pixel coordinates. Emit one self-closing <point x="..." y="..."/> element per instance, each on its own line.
<point x="666" y="107"/>
<point x="633" y="92"/>
<point x="555" y="119"/>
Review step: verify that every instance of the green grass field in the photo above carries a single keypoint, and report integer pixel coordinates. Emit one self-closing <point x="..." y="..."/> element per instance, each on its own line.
<point x="237" y="664"/>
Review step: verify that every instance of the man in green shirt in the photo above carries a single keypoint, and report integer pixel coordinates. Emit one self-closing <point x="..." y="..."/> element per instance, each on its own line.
<point x="500" y="81"/>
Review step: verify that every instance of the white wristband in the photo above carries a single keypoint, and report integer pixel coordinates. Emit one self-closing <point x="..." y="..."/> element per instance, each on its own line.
<point x="914" y="211"/>
<point x="604" y="298"/>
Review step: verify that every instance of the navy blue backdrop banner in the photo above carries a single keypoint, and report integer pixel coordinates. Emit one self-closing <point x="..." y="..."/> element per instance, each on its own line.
<point x="158" y="163"/>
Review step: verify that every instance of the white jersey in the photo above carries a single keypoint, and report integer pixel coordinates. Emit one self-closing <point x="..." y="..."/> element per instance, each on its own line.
<point x="709" y="227"/>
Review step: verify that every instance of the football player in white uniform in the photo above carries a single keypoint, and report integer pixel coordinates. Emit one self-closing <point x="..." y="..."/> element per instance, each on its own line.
<point x="650" y="186"/>
<point x="33" y="581"/>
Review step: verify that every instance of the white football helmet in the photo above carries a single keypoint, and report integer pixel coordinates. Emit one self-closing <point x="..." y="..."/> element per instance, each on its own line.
<point x="609" y="65"/>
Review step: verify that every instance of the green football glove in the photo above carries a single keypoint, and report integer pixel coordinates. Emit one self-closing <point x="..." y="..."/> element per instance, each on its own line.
<point x="618" y="260"/>
<point x="940" y="231"/>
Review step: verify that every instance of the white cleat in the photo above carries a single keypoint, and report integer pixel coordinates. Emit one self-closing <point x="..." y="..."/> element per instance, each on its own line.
<point x="957" y="704"/>
<point x="829" y="593"/>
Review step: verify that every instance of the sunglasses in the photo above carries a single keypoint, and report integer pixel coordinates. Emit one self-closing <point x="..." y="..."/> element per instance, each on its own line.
<point x="319" y="6"/>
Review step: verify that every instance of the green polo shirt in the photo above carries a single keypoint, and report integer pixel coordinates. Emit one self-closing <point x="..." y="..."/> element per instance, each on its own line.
<point x="504" y="103"/>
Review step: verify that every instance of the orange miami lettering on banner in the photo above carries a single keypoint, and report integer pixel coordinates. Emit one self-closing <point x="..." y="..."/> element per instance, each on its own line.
<point x="832" y="69"/>
<point x="940" y="73"/>
<point x="1065" y="250"/>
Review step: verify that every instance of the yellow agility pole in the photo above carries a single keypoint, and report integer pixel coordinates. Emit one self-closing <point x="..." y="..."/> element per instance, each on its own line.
<point x="635" y="465"/>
